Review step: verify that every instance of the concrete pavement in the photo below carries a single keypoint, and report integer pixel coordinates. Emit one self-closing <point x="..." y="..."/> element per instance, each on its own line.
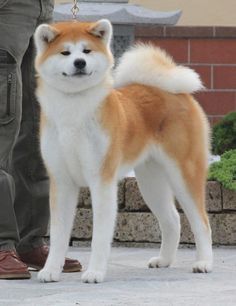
<point x="130" y="282"/>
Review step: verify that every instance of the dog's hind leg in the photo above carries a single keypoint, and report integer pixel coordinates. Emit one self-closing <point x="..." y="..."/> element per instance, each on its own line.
<point x="104" y="215"/>
<point x="157" y="194"/>
<point x="188" y="184"/>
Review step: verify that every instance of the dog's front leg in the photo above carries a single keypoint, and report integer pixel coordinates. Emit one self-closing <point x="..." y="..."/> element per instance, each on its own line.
<point x="104" y="216"/>
<point x="63" y="200"/>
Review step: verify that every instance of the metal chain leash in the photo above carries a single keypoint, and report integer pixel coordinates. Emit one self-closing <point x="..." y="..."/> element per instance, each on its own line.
<point x="75" y="9"/>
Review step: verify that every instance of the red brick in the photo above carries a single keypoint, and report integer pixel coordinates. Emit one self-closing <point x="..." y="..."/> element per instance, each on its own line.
<point x="217" y="103"/>
<point x="219" y="51"/>
<point x="178" y="48"/>
<point x="204" y="72"/>
<point x="224" y="77"/>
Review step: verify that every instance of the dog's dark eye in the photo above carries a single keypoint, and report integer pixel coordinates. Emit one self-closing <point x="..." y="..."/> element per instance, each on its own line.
<point x="86" y="51"/>
<point x="66" y="53"/>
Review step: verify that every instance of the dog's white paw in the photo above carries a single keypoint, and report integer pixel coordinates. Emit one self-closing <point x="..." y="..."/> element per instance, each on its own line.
<point x="47" y="275"/>
<point x="158" y="262"/>
<point x="202" y="266"/>
<point x="91" y="276"/>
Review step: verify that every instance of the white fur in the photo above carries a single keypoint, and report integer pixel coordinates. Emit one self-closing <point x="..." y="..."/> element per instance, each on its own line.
<point x="44" y="34"/>
<point x="202" y="234"/>
<point x="74" y="145"/>
<point x="103" y="29"/>
<point x="149" y="65"/>
<point x="157" y="193"/>
<point x="53" y="69"/>
<point x="73" y="120"/>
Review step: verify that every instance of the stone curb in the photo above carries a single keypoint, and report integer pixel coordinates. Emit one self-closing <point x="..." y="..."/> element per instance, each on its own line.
<point x="143" y="227"/>
<point x="130" y="199"/>
<point x="135" y="222"/>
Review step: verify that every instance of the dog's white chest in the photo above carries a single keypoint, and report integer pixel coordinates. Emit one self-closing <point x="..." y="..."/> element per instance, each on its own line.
<point x="79" y="136"/>
<point x="83" y="145"/>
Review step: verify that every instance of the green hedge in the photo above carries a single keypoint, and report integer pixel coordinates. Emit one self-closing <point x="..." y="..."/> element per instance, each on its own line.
<point x="224" y="134"/>
<point x="224" y="171"/>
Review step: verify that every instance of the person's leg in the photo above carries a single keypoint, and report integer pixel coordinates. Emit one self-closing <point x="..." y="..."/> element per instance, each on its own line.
<point x="15" y="33"/>
<point x="12" y="26"/>
<point x="32" y="202"/>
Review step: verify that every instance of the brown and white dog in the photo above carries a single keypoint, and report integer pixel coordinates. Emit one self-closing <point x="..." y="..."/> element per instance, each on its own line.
<point x="92" y="133"/>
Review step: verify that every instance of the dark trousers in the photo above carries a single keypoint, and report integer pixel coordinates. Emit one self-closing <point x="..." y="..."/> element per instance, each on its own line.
<point x="24" y="207"/>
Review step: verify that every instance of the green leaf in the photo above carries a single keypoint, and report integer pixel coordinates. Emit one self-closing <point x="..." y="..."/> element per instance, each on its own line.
<point x="224" y="171"/>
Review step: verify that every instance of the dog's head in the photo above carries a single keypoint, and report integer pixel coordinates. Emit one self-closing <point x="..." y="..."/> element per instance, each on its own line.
<point x="73" y="56"/>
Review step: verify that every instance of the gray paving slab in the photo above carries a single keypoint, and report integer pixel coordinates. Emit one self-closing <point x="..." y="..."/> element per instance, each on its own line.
<point x="130" y="282"/>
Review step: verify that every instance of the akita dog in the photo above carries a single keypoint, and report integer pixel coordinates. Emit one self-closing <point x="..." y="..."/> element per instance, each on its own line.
<point x="93" y="132"/>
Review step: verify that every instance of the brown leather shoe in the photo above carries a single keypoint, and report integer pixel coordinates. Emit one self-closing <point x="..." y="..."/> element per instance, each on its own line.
<point x="37" y="258"/>
<point x="11" y="267"/>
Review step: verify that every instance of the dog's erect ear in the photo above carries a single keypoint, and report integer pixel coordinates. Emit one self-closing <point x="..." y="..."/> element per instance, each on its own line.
<point x="103" y="29"/>
<point x="44" y="34"/>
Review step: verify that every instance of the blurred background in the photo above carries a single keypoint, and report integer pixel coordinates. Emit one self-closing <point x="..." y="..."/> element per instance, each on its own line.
<point x="194" y="12"/>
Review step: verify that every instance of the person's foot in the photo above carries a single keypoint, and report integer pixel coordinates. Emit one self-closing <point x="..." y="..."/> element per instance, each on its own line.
<point x="11" y="267"/>
<point x="37" y="258"/>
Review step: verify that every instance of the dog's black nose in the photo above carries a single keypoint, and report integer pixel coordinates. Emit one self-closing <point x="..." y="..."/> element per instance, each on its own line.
<point x="79" y="63"/>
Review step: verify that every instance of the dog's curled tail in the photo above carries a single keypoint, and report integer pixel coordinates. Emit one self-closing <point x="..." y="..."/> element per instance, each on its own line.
<point x="149" y="65"/>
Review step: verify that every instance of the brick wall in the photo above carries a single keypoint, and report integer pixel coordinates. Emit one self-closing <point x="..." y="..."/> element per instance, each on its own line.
<point x="211" y="51"/>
